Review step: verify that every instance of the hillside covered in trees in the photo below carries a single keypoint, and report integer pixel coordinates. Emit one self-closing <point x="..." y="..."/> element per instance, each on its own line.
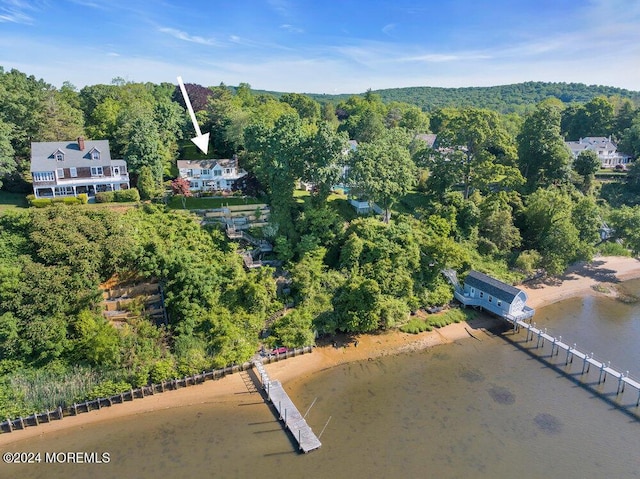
<point x="519" y="97"/>
<point x="499" y="193"/>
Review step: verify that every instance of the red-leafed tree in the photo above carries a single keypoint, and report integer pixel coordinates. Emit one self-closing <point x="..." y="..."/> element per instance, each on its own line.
<point x="198" y="96"/>
<point x="180" y="186"/>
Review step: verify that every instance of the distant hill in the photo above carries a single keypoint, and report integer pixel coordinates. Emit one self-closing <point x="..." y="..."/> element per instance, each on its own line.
<point x="505" y="98"/>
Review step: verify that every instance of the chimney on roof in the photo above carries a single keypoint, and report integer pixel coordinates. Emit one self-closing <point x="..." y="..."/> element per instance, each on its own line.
<point x="235" y="160"/>
<point x="81" y="143"/>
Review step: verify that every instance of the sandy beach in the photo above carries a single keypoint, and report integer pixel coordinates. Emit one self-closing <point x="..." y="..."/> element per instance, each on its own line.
<point x="582" y="279"/>
<point x="598" y="277"/>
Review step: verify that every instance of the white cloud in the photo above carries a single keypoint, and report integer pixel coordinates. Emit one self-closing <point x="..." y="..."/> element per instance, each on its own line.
<point x="445" y="57"/>
<point x="90" y="4"/>
<point x="387" y="29"/>
<point x="282" y="7"/>
<point x="15" y="11"/>
<point x="291" y="28"/>
<point x="180" y="35"/>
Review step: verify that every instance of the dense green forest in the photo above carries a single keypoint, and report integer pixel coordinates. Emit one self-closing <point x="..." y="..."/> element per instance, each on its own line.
<point x="500" y="194"/>
<point x="520" y="97"/>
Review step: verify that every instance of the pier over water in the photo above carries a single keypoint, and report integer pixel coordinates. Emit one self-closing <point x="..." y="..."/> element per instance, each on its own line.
<point x="604" y="369"/>
<point x="288" y="413"/>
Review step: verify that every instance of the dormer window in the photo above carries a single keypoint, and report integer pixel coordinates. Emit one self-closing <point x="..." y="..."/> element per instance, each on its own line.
<point x="59" y="155"/>
<point x="95" y="154"/>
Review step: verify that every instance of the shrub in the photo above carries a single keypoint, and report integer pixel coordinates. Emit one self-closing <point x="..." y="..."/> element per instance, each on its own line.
<point x="84" y="198"/>
<point x="58" y="199"/>
<point x="163" y="369"/>
<point x="105" y="196"/>
<point x="124" y="196"/>
<point x="441" y="295"/>
<point x="528" y="261"/>
<point x="610" y="248"/>
<point x="415" y="326"/>
<point x="392" y="311"/>
<point x="71" y="200"/>
<point x="456" y="315"/>
<point x="107" y="389"/>
<point x="41" y="202"/>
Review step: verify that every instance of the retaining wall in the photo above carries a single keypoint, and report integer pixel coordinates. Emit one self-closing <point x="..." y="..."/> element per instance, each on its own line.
<point x="9" y="425"/>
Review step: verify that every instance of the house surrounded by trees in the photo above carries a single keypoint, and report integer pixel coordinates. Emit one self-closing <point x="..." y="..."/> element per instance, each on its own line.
<point x="211" y="175"/>
<point x="69" y="168"/>
<point x="606" y="150"/>
<point x="490" y="294"/>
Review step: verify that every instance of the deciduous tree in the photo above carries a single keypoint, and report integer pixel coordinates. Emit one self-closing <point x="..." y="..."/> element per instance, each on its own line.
<point x="543" y="157"/>
<point x="7" y="161"/>
<point x="280" y="151"/>
<point x="586" y="165"/>
<point x="383" y="169"/>
<point x="478" y="140"/>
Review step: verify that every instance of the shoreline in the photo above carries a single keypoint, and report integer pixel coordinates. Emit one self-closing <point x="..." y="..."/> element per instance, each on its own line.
<point x="603" y="273"/>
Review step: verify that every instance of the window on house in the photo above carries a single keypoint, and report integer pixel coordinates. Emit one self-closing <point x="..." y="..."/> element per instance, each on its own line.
<point x="73" y="172"/>
<point x="97" y="171"/>
<point x="227" y="171"/>
<point x="206" y="172"/>
<point x="481" y="294"/>
<point x="189" y="172"/>
<point x="95" y="155"/>
<point x="490" y="299"/>
<point x="44" y="176"/>
<point x="499" y="303"/>
<point x="217" y="173"/>
<point x="60" y="172"/>
<point x="59" y="156"/>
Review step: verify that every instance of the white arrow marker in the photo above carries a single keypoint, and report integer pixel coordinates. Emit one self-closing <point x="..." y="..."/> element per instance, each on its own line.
<point x="201" y="141"/>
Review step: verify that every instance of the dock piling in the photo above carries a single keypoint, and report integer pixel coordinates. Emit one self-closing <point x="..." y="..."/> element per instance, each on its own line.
<point x="587" y="358"/>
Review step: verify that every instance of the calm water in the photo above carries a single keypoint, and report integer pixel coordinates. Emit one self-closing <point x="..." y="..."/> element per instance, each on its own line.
<point x="477" y="409"/>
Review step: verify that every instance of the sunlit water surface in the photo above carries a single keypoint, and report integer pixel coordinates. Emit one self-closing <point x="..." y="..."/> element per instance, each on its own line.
<point x="475" y="409"/>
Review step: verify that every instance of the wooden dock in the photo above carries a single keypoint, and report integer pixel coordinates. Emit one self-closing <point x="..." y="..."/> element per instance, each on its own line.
<point x="588" y="360"/>
<point x="287" y="411"/>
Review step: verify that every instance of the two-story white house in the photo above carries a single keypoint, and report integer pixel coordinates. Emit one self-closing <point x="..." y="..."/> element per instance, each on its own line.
<point x="606" y="150"/>
<point x="68" y="168"/>
<point x="211" y="175"/>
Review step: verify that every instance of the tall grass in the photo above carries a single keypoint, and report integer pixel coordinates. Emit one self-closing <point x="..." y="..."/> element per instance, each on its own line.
<point x="418" y="325"/>
<point x="48" y="389"/>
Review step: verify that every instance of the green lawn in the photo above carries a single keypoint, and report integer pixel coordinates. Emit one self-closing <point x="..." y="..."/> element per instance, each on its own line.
<point x="204" y="203"/>
<point x="10" y="201"/>
<point x="301" y="196"/>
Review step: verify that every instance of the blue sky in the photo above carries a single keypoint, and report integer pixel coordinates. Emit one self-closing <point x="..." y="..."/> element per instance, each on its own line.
<point x="324" y="46"/>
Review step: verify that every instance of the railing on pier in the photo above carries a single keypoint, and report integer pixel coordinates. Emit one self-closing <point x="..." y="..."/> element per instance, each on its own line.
<point x="588" y="360"/>
<point x="287" y="411"/>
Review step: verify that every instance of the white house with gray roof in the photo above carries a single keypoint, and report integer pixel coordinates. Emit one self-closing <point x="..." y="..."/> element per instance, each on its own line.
<point x="68" y="168"/>
<point x="211" y="175"/>
<point x="606" y="150"/>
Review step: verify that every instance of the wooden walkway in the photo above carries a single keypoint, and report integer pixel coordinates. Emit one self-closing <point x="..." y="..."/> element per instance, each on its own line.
<point x="588" y="360"/>
<point x="288" y="413"/>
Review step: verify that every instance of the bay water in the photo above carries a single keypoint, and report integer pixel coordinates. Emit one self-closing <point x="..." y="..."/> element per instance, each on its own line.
<point x="489" y="408"/>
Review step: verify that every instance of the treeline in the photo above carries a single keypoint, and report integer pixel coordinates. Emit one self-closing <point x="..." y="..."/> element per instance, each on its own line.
<point x="498" y="192"/>
<point x="515" y="98"/>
